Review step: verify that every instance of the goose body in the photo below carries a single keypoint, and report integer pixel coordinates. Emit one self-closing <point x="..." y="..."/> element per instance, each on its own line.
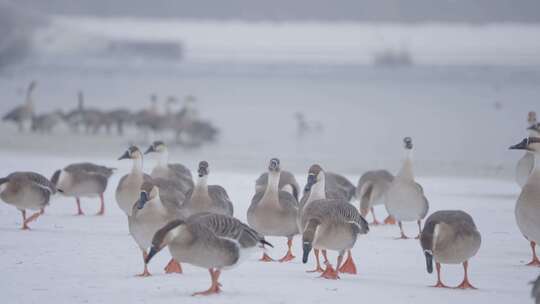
<point x="371" y="191"/>
<point x="405" y="199"/>
<point x="274" y="212"/>
<point x="26" y="190"/>
<point x="212" y="241"/>
<point x="163" y="169"/>
<point x="83" y="180"/>
<point x="207" y="198"/>
<point x="128" y="189"/>
<point x="450" y="237"/>
<point x="338" y="186"/>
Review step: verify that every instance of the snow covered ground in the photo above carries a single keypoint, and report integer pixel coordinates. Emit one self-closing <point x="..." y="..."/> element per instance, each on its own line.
<point x="91" y="259"/>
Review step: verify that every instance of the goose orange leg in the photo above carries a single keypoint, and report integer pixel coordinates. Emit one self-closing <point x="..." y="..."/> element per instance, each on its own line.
<point x="79" y="210"/>
<point x="214" y="288"/>
<point x="102" y="205"/>
<point x="535" y="261"/>
<point x="349" y="266"/>
<point x="439" y="282"/>
<point x="330" y="273"/>
<point x="403" y="236"/>
<point x="318" y="268"/>
<point x="173" y="267"/>
<point x="266" y="258"/>
<point x="288" y="256"/>
<point x="465" y="284"/>
<point x="32" y="218"/>
<point x="389" y="220"/>
<point x="145" y="273"/>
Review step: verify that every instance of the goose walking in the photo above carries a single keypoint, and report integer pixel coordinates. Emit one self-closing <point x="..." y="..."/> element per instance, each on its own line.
<point x="405" y="199"/>
<point x="163" y="169"/>
<point x="26" y="190"/>
<point x="371" y="191"/>
<point x="525" y="164"/>
<point x="274" y="212"/>
<point x="333" y="225"/>
<point x="213" y="241"/>
<point x="128" y="189"/>
<point x="450" y="237"/>
<point x="83" y="180"/>
<point x="22" y="115"/>
<point x="527" y="209"/>
<point x="160" y="202"/>
<point x="207" y="198"/>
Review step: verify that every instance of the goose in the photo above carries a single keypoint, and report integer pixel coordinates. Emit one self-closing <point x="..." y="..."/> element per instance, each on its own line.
<point x="527" y="209"/>
<point x="26" y="190"/>
<point x="83" y="180"/>
<point x="287" y="182"/>
<point x="207" y="198"/>
<point x="450" y="237"/>
<point x="163" y="169"/>
<point x="333" y="225"/>
<point x="525" y="164"/>
<point x="405" y="200"/>
<point x="317" y="189"/>
<point x="22" y="115"/>
<point x="128" y="189"/>
<point x="274" y="212"/>
<point x="213" y="241"/>
<point x="338" y="186"/>
<point x="371" y="191"/>
<point x="160" y="201"/>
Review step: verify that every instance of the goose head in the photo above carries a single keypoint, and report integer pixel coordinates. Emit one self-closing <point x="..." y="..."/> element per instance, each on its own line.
<point x="203" y="169"/>
<point x="164" y="237"/>
<point x="273" y="166"/>
<point x="131" y="153"/>
<point x="530" y="143"/>
<point x="407" y="143"/>
<point x="157" y="146"/>
<point x="149" y="192"/>
<point x="314" y="176"/>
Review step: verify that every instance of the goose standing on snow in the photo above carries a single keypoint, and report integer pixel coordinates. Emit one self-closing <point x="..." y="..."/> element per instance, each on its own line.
<point x="83" y="180"/>
<point x="371" y="191"/>
<point x="527" y="210"/>
<point x="128" y="189"/>
<point x="22" y="115"/>
<point x="274" y="212"/>
<point x="334" y="225"/>
<point x="525" y="164"/>
<point x="317" y="189"/>
<point x="450" y="237"/>
<point x="163" y="169"/>
<point x="287" y="182"/>
<point x="405" y="199"/>
<point x="212" y="241"/>
<point x="159" y="202"/>
<point x="207" y="198"/>
<point x="26" y="190"/>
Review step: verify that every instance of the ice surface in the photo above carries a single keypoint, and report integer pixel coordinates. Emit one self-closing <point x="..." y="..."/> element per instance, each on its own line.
<point x="91" y="259"/>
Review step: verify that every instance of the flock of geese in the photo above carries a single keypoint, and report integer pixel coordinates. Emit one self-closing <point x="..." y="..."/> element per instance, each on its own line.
<point x="196" y="222"/>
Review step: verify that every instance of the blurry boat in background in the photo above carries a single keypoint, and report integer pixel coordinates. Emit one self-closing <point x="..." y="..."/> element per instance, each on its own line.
<point x="393" y="58"/>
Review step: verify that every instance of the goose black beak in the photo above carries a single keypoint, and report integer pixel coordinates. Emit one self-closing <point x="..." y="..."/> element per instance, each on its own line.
<point x="523" y="145"/>
<point x="307" y="249"/>
<point x="142" y="200"/>
<point x="151" y="254"/>
<point x="429" y="262"/>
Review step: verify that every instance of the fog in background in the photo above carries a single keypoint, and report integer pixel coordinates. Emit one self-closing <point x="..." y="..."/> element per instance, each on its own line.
<point x="459" y="77"/>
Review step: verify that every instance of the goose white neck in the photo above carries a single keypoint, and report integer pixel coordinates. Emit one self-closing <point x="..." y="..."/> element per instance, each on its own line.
<point x="318" y="190"/>
<point x="163" y="159"/>
<point x="406" y="171"/>
<point x="202" y="184"/>
<point x="137" y="165"/>
<point x="273" y="182"/>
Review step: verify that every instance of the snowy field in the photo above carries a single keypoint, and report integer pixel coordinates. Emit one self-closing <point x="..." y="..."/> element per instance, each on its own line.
<point x="91" y="259"/>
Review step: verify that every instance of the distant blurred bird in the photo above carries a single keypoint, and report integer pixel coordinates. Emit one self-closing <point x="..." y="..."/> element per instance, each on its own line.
<point x="22" y="115"/>
<point x="83" y="180"/>
<point x="304" y="127"/>
<point x="26" y="190"/>
<point x="45" y="123"/>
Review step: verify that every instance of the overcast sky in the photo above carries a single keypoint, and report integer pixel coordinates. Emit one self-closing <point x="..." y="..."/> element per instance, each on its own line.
<point x="477" y="11"/>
